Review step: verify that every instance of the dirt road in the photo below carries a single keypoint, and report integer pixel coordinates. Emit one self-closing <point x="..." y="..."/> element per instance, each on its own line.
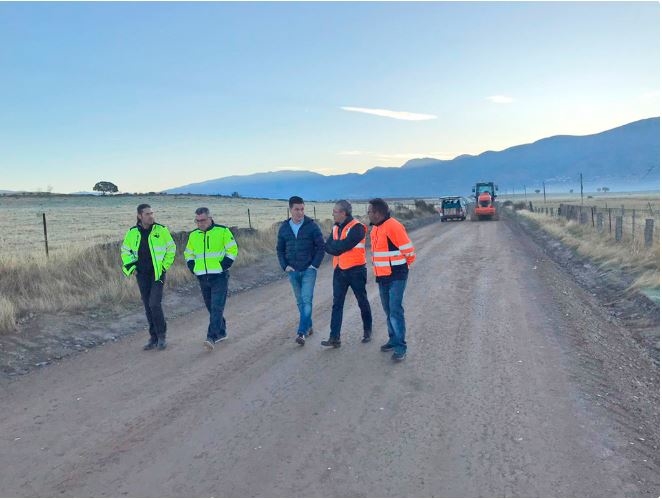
<point x="516" y="384"/>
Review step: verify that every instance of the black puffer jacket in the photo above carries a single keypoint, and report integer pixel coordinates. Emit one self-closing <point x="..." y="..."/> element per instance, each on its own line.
<point x="302" y="251"/>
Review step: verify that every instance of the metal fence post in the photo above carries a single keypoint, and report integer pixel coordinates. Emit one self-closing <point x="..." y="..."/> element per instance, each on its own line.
<point x="43" y="216"/>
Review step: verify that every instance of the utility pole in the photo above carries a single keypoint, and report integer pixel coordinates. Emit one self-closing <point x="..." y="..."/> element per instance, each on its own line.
<point x="544" y="194"/>
<point x="524" y="193"/>
<point x="581" y="187"/>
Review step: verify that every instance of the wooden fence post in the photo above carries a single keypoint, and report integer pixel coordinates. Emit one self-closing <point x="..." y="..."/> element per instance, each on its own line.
<point x="609" y="212"/>
<point x="249" y="219"/>
<point x="600" y="221"/>
<point x="619" y="228"/>
<point x="592" y="217"/>
<point x="633" y="215"/>
<point x="648" y="232"/>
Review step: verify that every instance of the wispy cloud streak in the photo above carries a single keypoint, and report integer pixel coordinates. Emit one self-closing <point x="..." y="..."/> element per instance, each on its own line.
<point x="387" y="113"/>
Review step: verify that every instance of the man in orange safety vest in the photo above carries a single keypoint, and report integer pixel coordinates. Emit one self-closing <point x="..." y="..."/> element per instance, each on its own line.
<point x="392" y="255"/>
<point x="347" y="245"/>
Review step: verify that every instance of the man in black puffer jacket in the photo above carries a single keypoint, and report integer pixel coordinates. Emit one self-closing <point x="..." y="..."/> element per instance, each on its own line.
<point x="300" y="250"/>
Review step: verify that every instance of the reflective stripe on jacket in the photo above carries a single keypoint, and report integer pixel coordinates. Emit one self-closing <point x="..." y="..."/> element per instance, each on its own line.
<point x="391" y="246"/>
<point x="212" y="251"/>
<point x="353" y="257"/>
<point x="161" y="247"/>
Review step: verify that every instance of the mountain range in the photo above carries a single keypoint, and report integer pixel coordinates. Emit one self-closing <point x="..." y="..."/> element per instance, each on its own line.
<point x="623" y="158"/>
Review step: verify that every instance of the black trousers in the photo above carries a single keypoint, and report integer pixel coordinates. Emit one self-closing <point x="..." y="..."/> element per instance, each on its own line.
<point x="214" y="289"/>
<point x="151" y="292"/>
<point x="355" y="278"/>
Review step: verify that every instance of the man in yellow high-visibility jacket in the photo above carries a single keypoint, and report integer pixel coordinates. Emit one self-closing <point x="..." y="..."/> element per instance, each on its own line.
<point x="210" y="252"/>
<point x="148" y="251"/>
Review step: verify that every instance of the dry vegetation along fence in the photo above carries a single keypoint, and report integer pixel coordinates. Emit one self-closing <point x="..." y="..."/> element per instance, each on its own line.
<point x="628" y="239"/>
<point x="626" y="225"/>
<point x="85" y="276"/>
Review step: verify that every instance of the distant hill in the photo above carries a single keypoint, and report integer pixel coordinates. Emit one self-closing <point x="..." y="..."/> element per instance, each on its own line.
<point x="623" y="158"/>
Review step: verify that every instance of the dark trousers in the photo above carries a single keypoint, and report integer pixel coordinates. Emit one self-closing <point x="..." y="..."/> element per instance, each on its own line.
<point x="214" y="289"/>
<point x="151" y="292"/>
<point x="355" y="278"/>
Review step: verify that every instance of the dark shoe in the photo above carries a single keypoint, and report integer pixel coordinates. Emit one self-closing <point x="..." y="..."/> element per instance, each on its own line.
<point x="398" y="357"/>
<point x="301" y="340"/>
<point x="366" y="338"/>
<point x="331" y="342"/>
<point x="161" y="345"/>
<point x="209" y="344"/>
<point x="387" y="347"/>
<point x="310" y="332"/>
<point x="151" y="345"/>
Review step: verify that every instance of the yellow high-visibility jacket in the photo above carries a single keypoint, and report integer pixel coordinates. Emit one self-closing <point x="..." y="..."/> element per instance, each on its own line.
<point x="212" y="251"/>
<point x="161" y="247"/>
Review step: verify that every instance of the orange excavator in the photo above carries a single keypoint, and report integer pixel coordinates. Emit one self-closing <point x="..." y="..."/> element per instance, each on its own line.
<point x="485" y="201"/>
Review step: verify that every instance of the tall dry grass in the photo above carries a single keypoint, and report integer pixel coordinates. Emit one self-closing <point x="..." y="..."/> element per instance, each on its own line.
<point x="91" y="278"/>
<point x="629" y="255"/>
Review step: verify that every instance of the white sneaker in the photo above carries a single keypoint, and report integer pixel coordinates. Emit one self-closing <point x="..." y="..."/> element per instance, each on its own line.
<point x="208" y="345"/>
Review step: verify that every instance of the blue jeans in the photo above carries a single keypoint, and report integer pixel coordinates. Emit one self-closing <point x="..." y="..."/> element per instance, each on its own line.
<point x="391" y="294"/>
<point x="354" y="278"/>
<point x="214" y="289"/>
<point x="303" y="284"/>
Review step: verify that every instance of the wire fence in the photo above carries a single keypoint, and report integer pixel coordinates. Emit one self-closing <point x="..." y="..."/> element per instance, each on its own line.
<point x="48" y="226"/>
<point x="621" y="224"/>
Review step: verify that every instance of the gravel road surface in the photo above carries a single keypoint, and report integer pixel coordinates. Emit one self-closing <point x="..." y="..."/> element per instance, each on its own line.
<point x="516" y="383"/>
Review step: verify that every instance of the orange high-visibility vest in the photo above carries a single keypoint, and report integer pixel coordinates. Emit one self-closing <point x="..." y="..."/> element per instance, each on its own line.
<point x="353" y="257"/>
<point x="401" y="252"/>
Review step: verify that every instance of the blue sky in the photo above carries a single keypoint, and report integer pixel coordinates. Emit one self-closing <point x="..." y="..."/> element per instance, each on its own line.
<point x="157" y="95"/>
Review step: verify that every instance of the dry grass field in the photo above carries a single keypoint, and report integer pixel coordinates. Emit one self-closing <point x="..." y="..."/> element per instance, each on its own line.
<point x="630" y="254"/>
<point x="84" y="221"/>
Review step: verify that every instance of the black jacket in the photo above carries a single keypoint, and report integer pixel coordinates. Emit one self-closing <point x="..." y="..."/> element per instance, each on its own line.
<point x="302" y="251"/>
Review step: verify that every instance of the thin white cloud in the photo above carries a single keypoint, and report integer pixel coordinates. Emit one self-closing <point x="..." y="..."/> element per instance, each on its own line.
<point x="396" y="115"/>
<point x="500" y="99"/>
<point x="651" y="95"/>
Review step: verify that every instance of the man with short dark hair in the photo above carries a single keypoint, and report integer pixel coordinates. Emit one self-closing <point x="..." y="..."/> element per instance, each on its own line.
<point x="392" y="255"/>
<point x="210" y="252"/>
<point x="148" y="251"/>
<point x="300" y="250"/>
<point x="346" y="244"/>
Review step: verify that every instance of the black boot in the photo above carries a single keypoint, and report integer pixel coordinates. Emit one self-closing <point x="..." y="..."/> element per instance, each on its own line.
<point x="331" y="342"/>
<point x="367" y="336"/>
<point x="151" y="344"/>
<point x="161" y="344"/>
